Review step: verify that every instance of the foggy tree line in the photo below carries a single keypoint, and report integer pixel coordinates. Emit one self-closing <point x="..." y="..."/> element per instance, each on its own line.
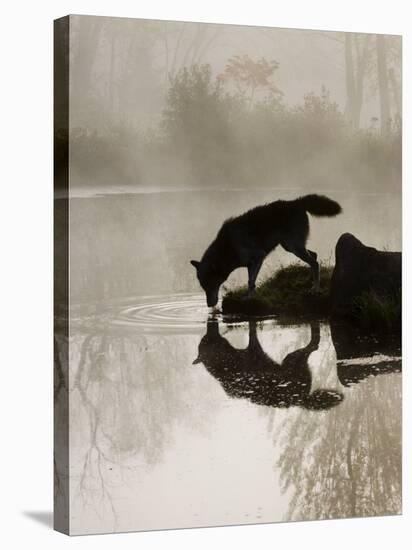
<point x="155" y="111"/>
<point x="376" y="57"/>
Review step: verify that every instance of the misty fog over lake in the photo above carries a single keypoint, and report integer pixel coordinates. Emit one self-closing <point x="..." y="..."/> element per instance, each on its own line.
<point x="175" y="127"/>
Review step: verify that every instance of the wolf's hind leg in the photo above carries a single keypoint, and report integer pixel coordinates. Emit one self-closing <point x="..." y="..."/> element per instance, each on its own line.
<point x="308" y="257"/>
<point x="253" y="271"/>
<point x="314" y="265"/>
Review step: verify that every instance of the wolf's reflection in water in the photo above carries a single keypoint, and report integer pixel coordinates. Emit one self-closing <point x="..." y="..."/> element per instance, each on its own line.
<point x="250" y="373"/>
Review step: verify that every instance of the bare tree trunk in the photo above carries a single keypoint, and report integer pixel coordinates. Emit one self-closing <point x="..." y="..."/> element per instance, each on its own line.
<point x="396" y="91"/>
<point x="361" y="60"/>
<point x="383" y="83"/>
<point x="172" y="71"/>
<point x="355" y="64"/>
<point x="350" y="80"/>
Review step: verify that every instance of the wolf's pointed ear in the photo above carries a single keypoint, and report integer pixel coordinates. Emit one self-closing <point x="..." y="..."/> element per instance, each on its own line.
<point x="195" y="264"/>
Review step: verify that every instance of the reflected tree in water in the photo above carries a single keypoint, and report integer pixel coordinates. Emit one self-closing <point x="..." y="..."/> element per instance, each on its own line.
<point x="345" y="462"/>
<point x="128" y="395"/>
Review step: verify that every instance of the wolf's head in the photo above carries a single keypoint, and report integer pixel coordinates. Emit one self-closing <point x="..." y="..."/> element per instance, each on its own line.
<point x="209" y="279"/>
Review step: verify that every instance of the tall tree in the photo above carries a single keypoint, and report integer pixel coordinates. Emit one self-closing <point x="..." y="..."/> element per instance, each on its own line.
<point x="350" y="79"/>
<point x="383" y="83"/>
<point x="186" y="45"/>
<point x="357" y="54"/>
<point x="250" y="76"/>
<point x="396" y="92"/>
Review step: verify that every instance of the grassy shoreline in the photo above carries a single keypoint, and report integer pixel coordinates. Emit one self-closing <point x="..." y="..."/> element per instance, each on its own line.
<point x="287" y="295"/>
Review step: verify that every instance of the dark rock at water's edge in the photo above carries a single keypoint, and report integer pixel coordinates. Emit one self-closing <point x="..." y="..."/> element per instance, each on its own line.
<point x="363" y="288"/>
<point x="360" y="269"/>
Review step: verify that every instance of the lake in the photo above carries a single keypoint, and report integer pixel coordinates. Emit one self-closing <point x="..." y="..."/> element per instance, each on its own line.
<point x="182" y="417"/>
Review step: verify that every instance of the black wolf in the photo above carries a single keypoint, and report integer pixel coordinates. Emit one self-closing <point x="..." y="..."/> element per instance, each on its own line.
<point x="251" y="374"/>
<point x="246" y="240"/>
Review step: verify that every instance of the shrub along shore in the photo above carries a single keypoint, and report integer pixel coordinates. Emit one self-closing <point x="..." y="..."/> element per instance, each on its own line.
<point x="288" y="295"/>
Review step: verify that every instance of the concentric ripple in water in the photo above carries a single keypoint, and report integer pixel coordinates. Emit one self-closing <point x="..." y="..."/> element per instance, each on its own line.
<point x="180" y="312"/>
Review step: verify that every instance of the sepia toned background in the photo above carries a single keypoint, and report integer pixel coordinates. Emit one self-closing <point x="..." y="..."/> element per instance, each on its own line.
<point x="172" y="128"/>
<point x="27" y="504"/>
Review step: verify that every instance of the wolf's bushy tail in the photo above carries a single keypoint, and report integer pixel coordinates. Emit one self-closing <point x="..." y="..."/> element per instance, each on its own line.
<point x="319" y="205"/>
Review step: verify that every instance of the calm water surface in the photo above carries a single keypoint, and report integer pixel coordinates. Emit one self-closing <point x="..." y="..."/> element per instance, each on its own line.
<point x="180" y="417"/>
